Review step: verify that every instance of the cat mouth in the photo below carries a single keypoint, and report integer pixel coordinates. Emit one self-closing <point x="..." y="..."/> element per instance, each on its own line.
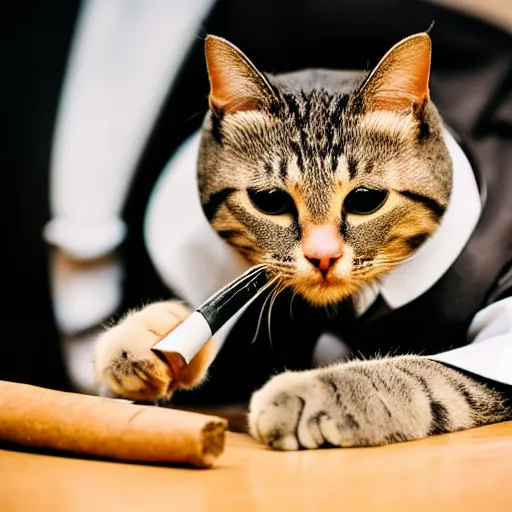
<point x="323" y="290"/>
<point x="317" y="288"/>
<point x="329" y="280"/>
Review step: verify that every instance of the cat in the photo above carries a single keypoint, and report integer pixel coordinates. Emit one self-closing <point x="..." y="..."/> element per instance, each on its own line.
<point x="330" y="179"/>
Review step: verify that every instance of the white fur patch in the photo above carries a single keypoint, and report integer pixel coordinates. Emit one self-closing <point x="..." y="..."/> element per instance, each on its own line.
<point x="344" y="266"/>
<point x="294" y="174"/>
<point x="342" y="169"/>
<point x="390" y="122"/>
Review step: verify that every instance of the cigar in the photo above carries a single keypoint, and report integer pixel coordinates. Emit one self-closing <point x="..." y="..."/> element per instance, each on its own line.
<point x="181" y="345"/>
<point x="106" y="428"/>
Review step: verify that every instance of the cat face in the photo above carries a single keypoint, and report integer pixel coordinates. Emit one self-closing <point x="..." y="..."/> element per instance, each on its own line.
<point x="330" y="179"/>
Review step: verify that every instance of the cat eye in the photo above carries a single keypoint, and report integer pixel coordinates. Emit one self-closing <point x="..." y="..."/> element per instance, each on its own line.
<point x="271" y="202"/>
<point x="363" y="201"/>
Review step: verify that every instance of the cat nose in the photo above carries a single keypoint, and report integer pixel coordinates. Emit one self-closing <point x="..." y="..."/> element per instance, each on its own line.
<point x="322" y="246"/>
<point x="323" y="264"/>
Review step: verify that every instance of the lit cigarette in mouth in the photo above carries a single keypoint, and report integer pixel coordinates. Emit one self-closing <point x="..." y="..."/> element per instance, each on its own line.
<point x="181" y="345"/>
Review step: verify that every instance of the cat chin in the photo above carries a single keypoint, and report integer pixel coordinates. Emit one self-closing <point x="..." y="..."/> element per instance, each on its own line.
<point x="324" y="294"/>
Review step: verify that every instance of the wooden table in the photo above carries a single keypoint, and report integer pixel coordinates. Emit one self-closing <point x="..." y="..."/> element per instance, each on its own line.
<point x="467" y="471"/>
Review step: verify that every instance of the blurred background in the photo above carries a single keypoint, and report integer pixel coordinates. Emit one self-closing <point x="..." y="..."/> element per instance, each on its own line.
<point x="96" y="98"/>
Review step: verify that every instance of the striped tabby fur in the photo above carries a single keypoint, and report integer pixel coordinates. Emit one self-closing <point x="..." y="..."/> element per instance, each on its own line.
<point x="368" y="403"/>
<point x="314" y="137"/>
<point x="318" y="135"/>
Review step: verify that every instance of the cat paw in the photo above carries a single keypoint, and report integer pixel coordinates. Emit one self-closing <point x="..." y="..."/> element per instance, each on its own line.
<point x="126" y="367"/>
<point x="317" y="408"/>
<point x="291" y="412"/>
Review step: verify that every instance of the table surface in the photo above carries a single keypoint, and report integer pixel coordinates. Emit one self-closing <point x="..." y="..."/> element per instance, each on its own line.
<point x="466" y="471"/>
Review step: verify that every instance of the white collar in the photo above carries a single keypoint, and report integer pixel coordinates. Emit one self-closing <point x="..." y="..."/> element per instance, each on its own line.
<point x="416" y="275"/>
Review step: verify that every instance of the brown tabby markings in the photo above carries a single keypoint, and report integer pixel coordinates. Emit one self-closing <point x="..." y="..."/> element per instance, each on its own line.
<point x="319" y="135"/>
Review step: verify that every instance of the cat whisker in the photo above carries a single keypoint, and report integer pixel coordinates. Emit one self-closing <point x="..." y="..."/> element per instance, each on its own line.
<point x="254" y="276"/>
<point x="278" y="264"/>
<point x="278" y="271"/>
<point x="269" y="284"/>
<point x="294" y="294"/>
<point x="379" y="264"/>
<point x="275" y="294"/>
<point x="376" y="266"/>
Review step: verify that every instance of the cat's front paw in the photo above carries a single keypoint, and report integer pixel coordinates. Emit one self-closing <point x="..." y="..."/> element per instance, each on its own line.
<point x="338" y="406"/>
<point x="298" y="410"/>
<point x="126" y="367"/>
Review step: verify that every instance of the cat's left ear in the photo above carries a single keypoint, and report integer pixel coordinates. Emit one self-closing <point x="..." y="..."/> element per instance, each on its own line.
<point x="400" y="82"/>
<point x="235" y="83"/>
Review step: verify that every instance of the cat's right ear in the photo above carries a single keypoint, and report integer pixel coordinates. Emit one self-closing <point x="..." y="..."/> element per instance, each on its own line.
<point x="400" y="82"/>
<point x="235" y="83"/>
